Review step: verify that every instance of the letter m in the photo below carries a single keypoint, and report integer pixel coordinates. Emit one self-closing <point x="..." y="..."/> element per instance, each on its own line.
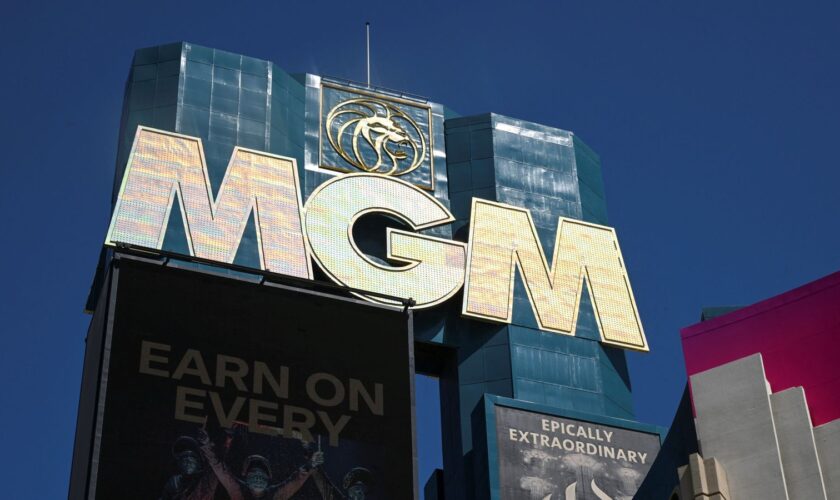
<point x="164" y="167"/>
<point x="503" y="239"/>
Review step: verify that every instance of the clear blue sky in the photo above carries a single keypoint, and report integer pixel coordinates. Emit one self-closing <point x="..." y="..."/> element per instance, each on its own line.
<point x="716" y="122"/>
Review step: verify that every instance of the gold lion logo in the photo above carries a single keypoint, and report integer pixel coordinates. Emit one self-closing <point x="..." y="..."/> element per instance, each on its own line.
<point x="376" y="136"/>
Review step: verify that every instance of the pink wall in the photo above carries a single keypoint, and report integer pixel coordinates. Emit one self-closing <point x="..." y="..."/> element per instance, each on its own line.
<point x="797" y="334"/>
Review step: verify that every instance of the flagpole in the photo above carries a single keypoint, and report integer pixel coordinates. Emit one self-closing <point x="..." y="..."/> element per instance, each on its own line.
<point x="367" y="44"/>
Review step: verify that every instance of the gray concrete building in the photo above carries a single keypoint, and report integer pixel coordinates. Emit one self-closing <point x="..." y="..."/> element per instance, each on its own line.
<point x="764" y="441"/>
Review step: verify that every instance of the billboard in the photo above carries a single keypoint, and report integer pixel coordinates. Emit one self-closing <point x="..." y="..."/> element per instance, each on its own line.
<point x="216" y="387"/>
<point x="546" y="457"/>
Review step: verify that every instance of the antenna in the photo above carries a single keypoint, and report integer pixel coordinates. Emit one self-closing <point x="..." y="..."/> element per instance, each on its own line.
<point x="367" y="40"/>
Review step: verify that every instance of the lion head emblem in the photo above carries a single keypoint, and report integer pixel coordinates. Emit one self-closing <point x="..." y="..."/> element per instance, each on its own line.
<point x="376" y="136"/>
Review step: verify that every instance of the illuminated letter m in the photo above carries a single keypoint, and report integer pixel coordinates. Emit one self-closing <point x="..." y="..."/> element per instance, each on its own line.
<point x="503" y="239"/>
<point x="163" y="165"/>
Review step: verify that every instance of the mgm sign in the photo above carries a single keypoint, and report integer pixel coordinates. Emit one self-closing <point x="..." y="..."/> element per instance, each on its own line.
<point x="385" y="143"/>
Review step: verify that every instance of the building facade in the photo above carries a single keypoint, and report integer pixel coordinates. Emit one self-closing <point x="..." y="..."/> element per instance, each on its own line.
<point x="766" y="392"/>
<point x="488" y="371"/>
<point x="761" y="414"/>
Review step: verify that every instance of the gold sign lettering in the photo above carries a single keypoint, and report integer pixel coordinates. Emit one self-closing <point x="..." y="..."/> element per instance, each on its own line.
<point x="503" y="238"/>
<point x="164" y="167"/>
<point x="433" y="268"/>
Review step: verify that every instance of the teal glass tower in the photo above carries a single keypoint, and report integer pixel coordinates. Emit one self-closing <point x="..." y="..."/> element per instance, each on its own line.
<point x="230" y="100"/>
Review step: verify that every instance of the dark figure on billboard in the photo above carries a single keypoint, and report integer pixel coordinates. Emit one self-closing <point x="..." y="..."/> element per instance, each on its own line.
<point x="357" y="483"/>
<point x="193" y="481"/>
<point x="256" y="475"/>
<point x="325" y="486"/>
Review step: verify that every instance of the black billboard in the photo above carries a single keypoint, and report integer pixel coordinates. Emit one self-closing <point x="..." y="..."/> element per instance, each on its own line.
<point x="212" y="387"/>
<point x="546" y="457"/>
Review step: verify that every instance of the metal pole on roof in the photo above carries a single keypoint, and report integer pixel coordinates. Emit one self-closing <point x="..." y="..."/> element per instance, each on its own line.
<point x="367" y="39"/>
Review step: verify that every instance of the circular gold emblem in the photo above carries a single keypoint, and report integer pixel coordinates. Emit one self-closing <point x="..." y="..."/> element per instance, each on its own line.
<point x="376" y="136"/>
